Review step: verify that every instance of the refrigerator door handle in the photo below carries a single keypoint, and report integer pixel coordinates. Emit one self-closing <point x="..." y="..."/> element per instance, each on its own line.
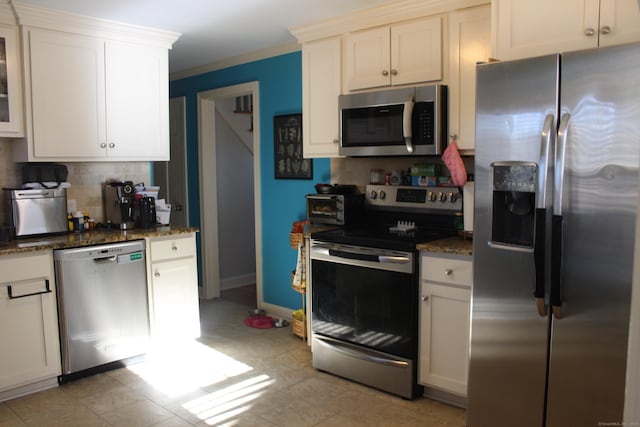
<point x="563" y="130"/>
<point x="539" y="258"/>
<point x="539" y="252"/>
<point x="557" y="220"/>
<point x="545" y="153"/>
<point x="556" y="263"/>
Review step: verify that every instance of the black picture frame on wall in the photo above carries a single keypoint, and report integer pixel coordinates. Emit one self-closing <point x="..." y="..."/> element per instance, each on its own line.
<point x="289" y="162"/>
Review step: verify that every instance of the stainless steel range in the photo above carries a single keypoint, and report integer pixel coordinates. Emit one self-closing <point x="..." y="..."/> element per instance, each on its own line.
<point x="365" y="286"/>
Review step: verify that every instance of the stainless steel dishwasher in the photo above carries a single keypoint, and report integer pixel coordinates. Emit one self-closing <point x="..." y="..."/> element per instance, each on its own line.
<point x="102" y="306"/>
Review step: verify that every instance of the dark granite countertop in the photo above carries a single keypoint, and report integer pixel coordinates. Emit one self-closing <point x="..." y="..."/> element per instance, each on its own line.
<point x="450" y="245"/>
<point x="88" y="238"/>
<point x="313" y="228"/>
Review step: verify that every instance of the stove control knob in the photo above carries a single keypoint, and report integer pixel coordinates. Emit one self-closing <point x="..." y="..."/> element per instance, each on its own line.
<point x="373" y="195"/>
<point x="453" y="197"/>
<point x="382" y="195"/>
<point x="431" y="196"/>
<point x="442" y="197"/>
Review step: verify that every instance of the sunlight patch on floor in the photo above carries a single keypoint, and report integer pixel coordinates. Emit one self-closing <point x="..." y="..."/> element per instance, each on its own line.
<point x="224" y="404"/>
<point x="178" y="368"/>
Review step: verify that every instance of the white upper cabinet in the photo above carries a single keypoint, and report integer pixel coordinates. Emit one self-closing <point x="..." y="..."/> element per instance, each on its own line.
<point x="469" y="43"/>
<point x="96" y="99"/>
<point x="394" y="55"/>
<point x="525" y="28"/>
<point x="11" y="123"/>
<point x="67" y="95"/>
<point x="94" y="90"/>
<point x="137" y="102"/>
<point x="321" y="86"/>
<point x="619" y="22"/>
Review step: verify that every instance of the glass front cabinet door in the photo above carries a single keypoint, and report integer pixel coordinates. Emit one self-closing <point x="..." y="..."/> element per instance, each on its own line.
<point x="10" y="84"/>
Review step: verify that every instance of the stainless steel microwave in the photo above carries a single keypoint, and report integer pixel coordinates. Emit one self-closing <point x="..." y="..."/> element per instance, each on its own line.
<point x="396" y="122"/>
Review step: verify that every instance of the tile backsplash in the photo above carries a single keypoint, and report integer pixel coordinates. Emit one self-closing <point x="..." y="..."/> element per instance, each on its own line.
<point x="356" y="170"/>
<point x="86" y="179"/>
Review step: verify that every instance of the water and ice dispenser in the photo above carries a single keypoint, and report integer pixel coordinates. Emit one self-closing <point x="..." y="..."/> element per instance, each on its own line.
<point x="513" y="208"/>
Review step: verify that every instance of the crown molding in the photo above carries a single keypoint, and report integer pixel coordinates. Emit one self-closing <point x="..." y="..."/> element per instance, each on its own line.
<point x="38" y="17"/>
<point x="7" y="15"/>
<point x="237" y="60"/>
<point x="384" y="14"/>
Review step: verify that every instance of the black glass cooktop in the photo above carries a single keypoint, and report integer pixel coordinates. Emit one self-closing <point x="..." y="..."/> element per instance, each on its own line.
<point x="381" y="237"/>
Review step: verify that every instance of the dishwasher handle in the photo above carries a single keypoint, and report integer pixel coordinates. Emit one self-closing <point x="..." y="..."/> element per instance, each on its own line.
<point x="105" y="260"/>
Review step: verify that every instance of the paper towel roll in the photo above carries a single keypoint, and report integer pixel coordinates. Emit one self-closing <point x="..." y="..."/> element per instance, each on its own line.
<point x="467" y="205"/>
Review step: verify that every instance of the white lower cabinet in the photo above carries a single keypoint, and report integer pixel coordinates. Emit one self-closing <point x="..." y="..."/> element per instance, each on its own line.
<point x="173" y="287"/>
<point x="30" y="356"/>
<point x="445" y="290"/>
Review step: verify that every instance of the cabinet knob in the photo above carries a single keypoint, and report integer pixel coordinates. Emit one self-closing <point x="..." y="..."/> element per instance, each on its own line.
<point x="394" y="72"/>
<point x="589" y="32"/>
<point x="174" y="248"/>
<point x="336" y="140"/>
<point x="103" y="145"/>
<point x="448" y="272"/>
<point x="112" y="145"/>
<point x="385" y="73"/>
<point x="425" y="297"/>
<point x="157" y="274"/>
<point x="605" y="29"/>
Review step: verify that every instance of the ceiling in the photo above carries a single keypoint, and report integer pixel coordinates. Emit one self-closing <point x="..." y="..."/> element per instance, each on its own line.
<point x="214" y="30"/>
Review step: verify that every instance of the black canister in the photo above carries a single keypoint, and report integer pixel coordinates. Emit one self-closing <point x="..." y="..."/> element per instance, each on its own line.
<point x="147" y="212"/>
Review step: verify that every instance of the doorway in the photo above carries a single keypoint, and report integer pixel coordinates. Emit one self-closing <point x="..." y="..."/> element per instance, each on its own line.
<point x="229" y="164"/>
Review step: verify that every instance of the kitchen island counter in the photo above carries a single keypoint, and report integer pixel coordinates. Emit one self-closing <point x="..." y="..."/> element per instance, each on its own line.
<point x="88" y="238"/>
<point x="450" y="245"/>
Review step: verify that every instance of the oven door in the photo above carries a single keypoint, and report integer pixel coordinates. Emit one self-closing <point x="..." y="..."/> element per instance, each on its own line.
<point x="366" y="297"/>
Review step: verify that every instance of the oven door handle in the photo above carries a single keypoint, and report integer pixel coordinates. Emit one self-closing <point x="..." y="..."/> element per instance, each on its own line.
<point x="362" y="356"/>
<point x="392" y="259"/>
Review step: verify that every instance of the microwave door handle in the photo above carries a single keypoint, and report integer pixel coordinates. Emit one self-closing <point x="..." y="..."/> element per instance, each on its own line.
<point x="406" y="124"/>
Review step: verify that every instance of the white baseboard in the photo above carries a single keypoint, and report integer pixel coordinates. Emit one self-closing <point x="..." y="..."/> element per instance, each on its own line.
<point x="28" y="389"/>
<point x="445" y="397"/>
<point x="237" y="281"/>
<point x="276" y="311"/>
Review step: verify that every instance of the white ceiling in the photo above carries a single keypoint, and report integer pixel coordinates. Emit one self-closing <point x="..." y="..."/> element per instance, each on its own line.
<point x="213" y="30"/>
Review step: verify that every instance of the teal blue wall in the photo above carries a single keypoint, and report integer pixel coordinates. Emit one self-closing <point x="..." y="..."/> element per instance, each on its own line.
<point x="280" y="81"/>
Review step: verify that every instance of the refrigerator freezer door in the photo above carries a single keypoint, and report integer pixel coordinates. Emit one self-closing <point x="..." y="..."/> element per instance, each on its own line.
<point x="600" y="91"/>
<point x="509" y="336"/>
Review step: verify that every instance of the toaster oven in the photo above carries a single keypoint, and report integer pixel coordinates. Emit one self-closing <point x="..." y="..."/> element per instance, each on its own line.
<point x="335" y="209"/>
<point x="37" y="211"/>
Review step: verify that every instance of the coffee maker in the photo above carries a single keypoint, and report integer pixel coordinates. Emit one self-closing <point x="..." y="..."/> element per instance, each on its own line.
<point x="119" y="199"/>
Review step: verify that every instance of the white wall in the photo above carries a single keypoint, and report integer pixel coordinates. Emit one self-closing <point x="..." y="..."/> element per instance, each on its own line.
<point x="236" y="232"/>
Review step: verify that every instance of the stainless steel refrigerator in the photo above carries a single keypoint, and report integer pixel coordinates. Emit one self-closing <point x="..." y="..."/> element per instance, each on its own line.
<point x="556" y="167"/>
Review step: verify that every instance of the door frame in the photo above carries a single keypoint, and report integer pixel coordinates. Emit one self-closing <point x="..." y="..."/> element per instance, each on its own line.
<point x="208" y="185"/>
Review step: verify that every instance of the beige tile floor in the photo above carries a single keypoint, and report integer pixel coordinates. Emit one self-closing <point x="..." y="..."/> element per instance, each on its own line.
<point x="232" y="376"/>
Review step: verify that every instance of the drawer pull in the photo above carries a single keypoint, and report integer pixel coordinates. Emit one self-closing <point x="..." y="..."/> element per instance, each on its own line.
<point x="448" y="272"/>
<point x="47" y="290"/>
